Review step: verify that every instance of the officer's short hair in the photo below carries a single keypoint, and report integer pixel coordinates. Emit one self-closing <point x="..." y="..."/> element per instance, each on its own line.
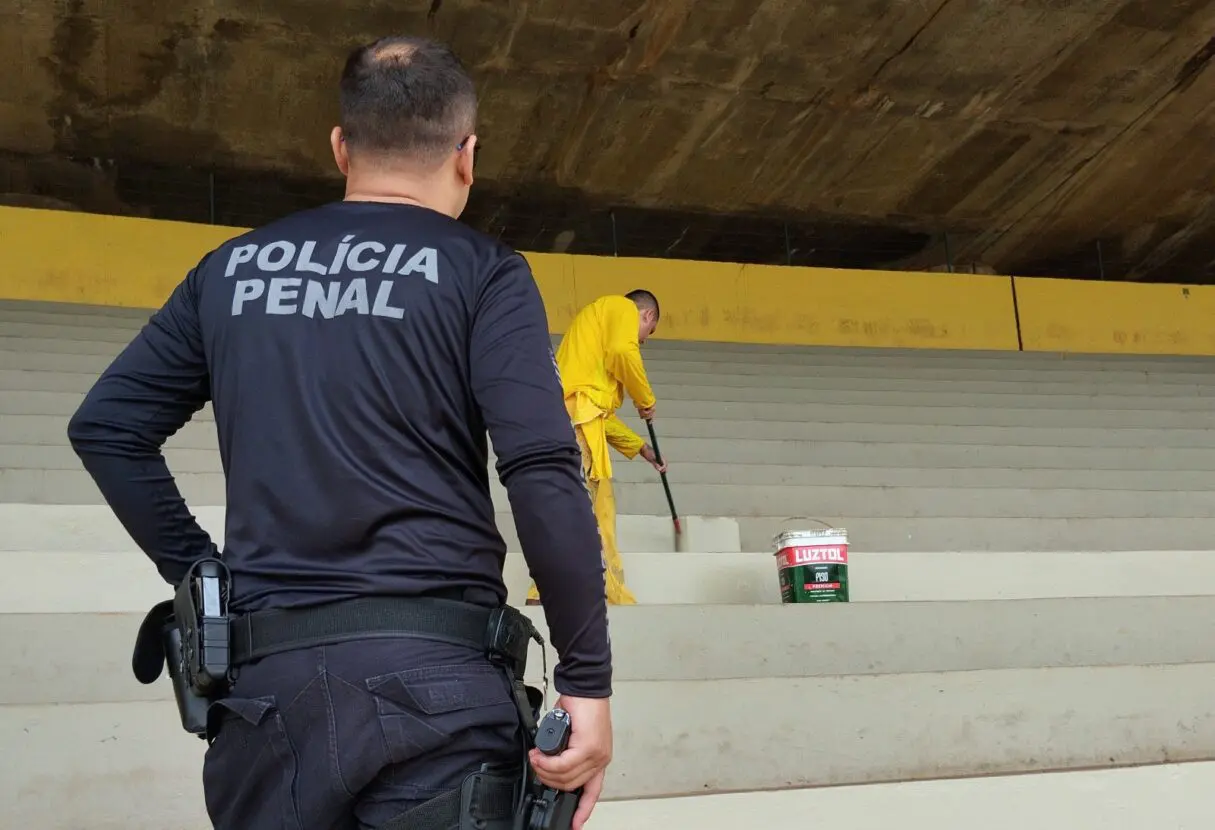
<point x="408" y="97"/>
<point x="645" y="299"/>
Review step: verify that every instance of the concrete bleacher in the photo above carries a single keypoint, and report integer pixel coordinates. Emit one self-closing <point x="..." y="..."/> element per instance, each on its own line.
<point x="1032" y="572"/>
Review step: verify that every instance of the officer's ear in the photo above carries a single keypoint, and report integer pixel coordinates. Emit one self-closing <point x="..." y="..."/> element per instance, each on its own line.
<point x="466" y="155"/>
<point x="341" y="153"/>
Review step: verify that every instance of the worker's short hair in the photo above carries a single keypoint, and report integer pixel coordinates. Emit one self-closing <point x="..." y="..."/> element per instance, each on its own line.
<point x="407" y="97"/>
<point x="645" y="299"/>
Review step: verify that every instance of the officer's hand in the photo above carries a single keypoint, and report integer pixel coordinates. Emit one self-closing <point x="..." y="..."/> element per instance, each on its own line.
<point x="588" y="800"/>
<point x="647" y="452"/>
<point x="585" y="758"/>
<point x="647" y="414"/>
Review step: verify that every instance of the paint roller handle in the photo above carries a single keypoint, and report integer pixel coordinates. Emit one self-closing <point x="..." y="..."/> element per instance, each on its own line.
<point x="649" y="425"/>
<point x="666" y="486"/>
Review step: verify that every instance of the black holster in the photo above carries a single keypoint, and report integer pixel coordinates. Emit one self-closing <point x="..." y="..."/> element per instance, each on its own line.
<point x="189" y="634"/>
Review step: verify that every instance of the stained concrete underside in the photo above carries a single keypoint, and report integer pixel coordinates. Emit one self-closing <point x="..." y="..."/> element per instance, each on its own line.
<point x="835" y="133"/>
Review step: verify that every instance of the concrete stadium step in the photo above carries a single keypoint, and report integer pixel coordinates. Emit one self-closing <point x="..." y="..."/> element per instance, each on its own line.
<point x="670" y="735"/>
<point x="84" y="657"/>
<point x="55" y="426"/>
<point x="683" y="386"/>
<point x="930" y="433"/>
<point x="86" y="336"/>
<point x="893" y="391"/>
<point x="86" y="356"/>
<point x="181" y="460"/>
<point x="93" y="529"/>
<point x="119" y="582"/>
<point x="759" y="414"/>
<point x="39" y="486"/>
<point x="1162" y="797"/>
<point x="918" y="534"/>
<point x="751" y="578"/>
<point x="17" y="430"/>
<point x="1088" y="800"/>
<point x="946" y="663"/>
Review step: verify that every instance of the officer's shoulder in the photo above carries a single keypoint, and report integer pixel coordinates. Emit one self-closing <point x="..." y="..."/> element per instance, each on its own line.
<point x="494" y="260"/>
<point x="283" y="226"/>
<point x="491" y="250"/>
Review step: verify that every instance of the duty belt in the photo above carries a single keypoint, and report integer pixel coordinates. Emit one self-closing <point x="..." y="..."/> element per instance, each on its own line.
<point x="203" y="643"/>
<point x="263" y="633"/>
<point x="502" y="633"/>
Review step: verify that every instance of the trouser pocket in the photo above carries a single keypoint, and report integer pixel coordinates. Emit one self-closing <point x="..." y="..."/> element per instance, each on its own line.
<point x="421" y="710"/>
<point x="249" y="775"/>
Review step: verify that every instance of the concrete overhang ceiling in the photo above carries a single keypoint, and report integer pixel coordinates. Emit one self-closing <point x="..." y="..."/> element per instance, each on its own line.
<point x="836" y="133"/>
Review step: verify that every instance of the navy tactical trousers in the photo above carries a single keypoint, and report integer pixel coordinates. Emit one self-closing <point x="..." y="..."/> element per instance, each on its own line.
<point x="348" y="736"/>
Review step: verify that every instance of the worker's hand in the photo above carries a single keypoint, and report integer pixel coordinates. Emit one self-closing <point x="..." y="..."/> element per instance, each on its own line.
<point x="647" y="414"/>
<point x="647" y="452"/>
<point x="585" y="758"/>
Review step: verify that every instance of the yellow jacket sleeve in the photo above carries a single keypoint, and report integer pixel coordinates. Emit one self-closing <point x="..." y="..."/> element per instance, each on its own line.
<point x="623" y="352"/>
<point x="621" y="438"/>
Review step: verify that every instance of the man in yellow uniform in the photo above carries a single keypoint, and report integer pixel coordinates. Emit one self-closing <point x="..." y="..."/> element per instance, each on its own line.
<point x="599" y="361"/>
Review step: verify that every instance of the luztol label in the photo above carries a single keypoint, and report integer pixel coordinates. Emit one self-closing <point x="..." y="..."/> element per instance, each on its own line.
<point x="792" y="557"/>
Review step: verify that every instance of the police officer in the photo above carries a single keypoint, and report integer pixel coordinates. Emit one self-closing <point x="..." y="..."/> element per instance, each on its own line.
<point x="355" y="356"/>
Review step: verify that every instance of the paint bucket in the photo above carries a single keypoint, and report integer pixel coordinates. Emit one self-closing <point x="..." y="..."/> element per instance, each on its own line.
<point x="813" y="565"/>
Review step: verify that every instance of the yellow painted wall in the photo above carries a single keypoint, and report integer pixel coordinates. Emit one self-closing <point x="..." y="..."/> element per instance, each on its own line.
<point x="64" y="257"/>
<point x="1105" y="317"/>
<point x="811" y="306"/>
<point x="106" y="260"/>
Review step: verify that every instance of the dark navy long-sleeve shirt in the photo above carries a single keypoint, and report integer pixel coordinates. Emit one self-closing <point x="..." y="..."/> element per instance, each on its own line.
<point x="355" y="356"/>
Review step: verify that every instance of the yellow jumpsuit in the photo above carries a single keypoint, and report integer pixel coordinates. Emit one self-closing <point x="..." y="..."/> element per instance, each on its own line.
<point x="600" y="360"/>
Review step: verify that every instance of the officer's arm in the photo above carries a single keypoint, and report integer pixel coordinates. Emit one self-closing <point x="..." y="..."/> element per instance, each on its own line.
<point x="514" y="378"/>
<point x="623" y="353"/>
<point x="624" y="440"/>
<point x="148" y="393"/>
